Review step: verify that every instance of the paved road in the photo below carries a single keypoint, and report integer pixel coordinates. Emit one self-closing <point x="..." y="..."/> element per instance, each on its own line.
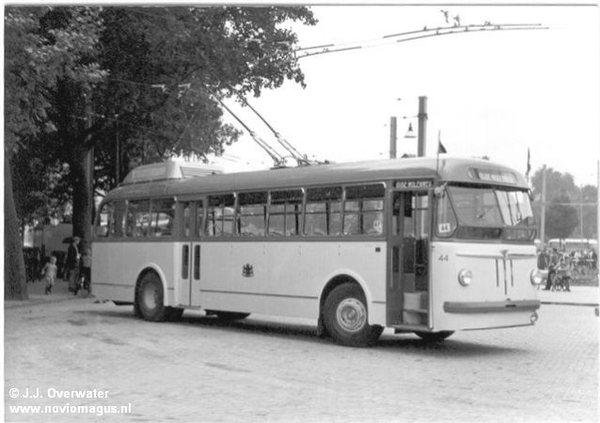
<point x="263" y="370"/>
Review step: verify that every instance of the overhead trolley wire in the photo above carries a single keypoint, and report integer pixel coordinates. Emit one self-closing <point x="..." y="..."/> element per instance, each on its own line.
<point x="412" y="35"/>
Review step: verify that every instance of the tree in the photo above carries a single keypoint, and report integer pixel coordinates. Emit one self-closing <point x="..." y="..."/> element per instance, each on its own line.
<point x="77" y="76"/>
<point x="560" y="188"/>
<point x="33" y="68"/>
<point x="557" y="184"/>
<point x="154" y="75"/>
<point x="561" y="218"/>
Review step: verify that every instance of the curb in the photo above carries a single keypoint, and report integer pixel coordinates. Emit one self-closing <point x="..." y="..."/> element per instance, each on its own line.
<point x="570" y="304"/>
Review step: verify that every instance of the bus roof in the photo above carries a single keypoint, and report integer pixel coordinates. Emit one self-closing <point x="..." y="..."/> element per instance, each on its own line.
<point x="424" y="168"/>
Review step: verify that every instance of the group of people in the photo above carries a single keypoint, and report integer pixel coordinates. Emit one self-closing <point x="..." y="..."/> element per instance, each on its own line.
<point x="78" y="266"/>
<point x="559" y="269"/>
<point x="561" y="266"/>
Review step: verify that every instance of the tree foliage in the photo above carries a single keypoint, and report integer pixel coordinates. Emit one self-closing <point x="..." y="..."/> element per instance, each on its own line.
<point x="77" y="78"/>
<point x="561" y="218"/>
<point x="566" y="205"/>
<point x="149" y="76"/>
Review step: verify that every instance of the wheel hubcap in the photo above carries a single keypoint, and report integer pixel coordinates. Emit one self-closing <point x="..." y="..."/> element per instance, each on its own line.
<point x="149" y="297"/>
<point x="351" y="315"/>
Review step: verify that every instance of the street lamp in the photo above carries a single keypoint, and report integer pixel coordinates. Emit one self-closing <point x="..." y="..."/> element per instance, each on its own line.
<point x="410" y="133"/>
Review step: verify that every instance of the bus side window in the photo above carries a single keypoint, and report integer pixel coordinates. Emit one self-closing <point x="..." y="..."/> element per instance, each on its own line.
<point x="138" y="218"/>
<point x="106" y="221"/>
<point x="186" y="219"/>
<point x="285" y="212"/>
<point x="252" y="213"/>
<point x="162" y="216"/>
<point x="199" y="218"/>
<point x="220" y="215"/>
<point x="185" y="214"/>
<point x="363" y="210"/>
<point x="119" y="227"/>
<point x="323" y="214"/>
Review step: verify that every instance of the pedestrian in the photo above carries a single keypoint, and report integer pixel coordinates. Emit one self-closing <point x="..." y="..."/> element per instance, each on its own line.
<point x="552" y="264"/>
<point x="563" y="274"/>
<point x="49" y="274"/>
<point x="543" y="260"/>
<point x="72" y="265"/>
<point x="86" y="269"/>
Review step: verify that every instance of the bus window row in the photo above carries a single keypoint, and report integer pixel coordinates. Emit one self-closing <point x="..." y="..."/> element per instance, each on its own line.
<point x="319" y="212"/>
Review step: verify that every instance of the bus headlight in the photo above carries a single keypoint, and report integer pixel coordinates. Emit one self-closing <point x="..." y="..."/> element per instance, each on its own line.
<point x="465" y="277"/>
<point x="536" y="276"/>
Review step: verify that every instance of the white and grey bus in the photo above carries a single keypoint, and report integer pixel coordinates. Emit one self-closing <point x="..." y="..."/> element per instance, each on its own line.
<point x="421" y="245"/>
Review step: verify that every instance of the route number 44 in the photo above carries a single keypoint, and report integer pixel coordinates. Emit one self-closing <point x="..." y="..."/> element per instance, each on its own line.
<point x="443" y="257"/>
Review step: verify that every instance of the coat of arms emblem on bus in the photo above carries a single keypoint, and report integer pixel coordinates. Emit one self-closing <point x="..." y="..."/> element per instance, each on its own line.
<point x="247" y="270"/>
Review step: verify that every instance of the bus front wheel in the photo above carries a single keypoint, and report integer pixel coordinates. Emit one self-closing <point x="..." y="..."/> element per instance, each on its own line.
<point x="149" y="299"/>
<point x="346" y="317"/>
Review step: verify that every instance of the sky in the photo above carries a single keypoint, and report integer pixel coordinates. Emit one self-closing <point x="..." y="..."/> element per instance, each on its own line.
<point x="492" y="93"/>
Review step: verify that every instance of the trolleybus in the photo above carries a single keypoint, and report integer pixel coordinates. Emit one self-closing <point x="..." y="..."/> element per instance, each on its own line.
<point x="421" y="245"/>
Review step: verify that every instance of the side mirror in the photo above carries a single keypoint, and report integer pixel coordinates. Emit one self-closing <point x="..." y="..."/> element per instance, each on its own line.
<point x="440" y="192"/>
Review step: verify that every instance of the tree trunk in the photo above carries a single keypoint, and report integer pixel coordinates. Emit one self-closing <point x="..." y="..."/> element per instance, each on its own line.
<point x="15" y="283"/>
<point x="82" y="183"/>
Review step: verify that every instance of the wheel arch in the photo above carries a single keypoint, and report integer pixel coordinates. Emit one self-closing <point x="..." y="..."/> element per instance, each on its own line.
<point x="338" y="279"/>
<point x="147" y="268"/>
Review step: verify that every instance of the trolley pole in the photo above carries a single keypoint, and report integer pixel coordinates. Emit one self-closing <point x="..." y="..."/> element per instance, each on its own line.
<point x="422" y="133"/>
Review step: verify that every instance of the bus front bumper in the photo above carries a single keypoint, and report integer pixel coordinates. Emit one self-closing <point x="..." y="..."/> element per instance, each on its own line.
<point x="507" y="306"/>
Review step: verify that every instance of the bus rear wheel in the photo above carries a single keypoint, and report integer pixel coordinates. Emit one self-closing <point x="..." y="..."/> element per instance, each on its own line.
<point x="149" y="299"/>
<point x="346" y="317"/>
<point x="434" y="336"/>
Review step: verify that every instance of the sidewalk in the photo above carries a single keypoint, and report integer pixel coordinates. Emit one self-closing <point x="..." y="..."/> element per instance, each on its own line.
<point x="60" y="292"/>
<point x="579" y="295"/>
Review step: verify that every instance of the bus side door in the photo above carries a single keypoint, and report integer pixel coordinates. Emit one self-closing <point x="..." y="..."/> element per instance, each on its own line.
<point x="408" y="283"/>
<point x="191" y="215"/>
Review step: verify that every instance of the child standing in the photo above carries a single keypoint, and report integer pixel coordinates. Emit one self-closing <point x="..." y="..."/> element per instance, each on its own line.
<point x="49" y="272"/>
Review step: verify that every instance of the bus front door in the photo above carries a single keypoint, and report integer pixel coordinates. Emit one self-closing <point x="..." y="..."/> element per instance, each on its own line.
<point x="408" y="285"/>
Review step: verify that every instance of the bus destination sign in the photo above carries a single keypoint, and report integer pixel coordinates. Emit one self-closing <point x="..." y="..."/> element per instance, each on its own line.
<point x="414" y="184"/>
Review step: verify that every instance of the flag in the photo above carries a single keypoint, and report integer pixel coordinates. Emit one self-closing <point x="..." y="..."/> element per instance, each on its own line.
<point x="528" y="164"/>
<point x="441" y="148"/>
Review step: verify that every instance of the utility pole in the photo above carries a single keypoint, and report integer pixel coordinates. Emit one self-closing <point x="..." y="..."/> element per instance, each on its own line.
<point x="581" y="211"/>
<point x="393" y="137"/>
<point x="543" y="219"/>
<point x="422" y="133"/>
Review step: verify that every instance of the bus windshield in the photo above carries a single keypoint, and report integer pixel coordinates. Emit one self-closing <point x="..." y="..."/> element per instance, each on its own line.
<point x="485" y="212"/>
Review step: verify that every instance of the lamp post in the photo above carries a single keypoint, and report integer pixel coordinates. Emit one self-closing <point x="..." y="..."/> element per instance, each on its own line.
<point x="422" y="133"/>
<point x="393" y="137"/>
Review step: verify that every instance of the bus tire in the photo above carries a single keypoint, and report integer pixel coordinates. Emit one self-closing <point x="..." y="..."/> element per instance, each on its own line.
<point x="149" y="299"/>
<point x="434" y="336"/>
<point x="346" y="317"/>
